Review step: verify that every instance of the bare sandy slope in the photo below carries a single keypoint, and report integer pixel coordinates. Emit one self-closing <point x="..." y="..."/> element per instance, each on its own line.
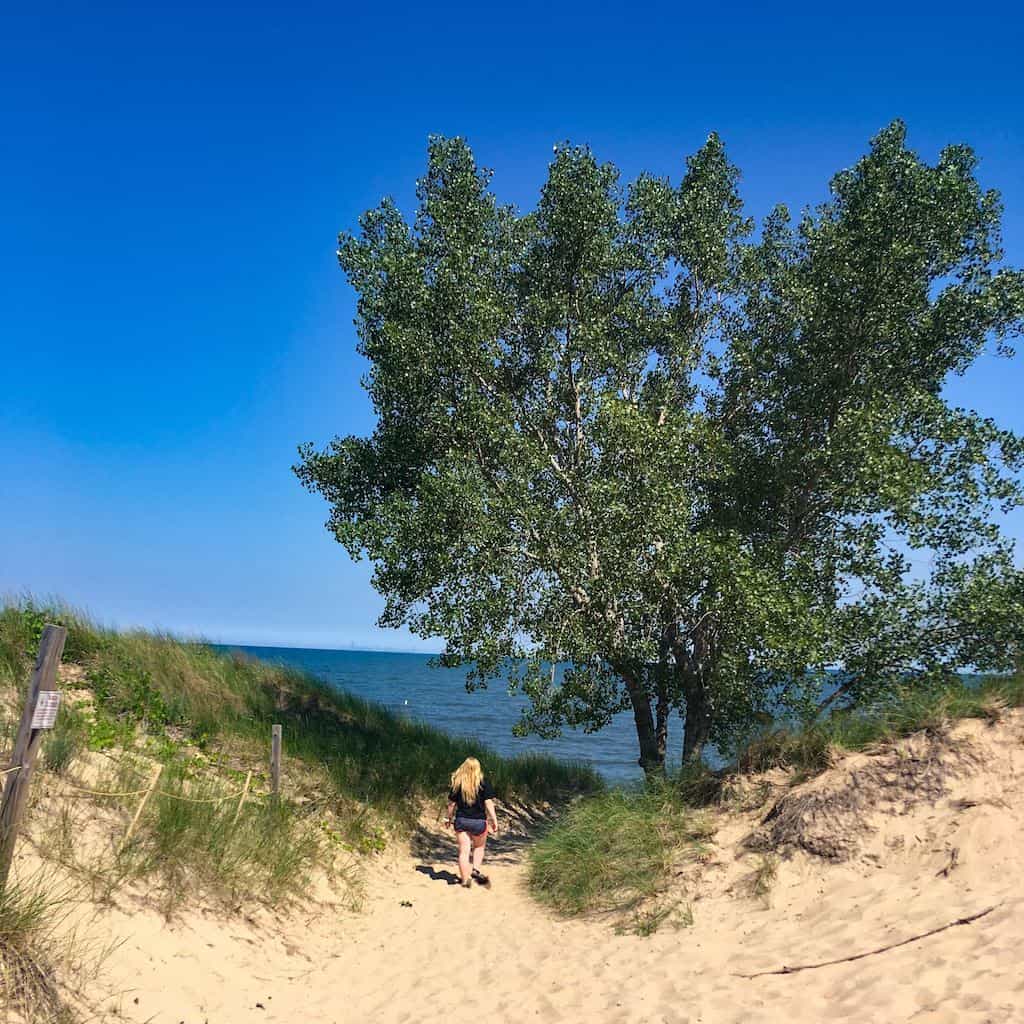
<point x="425" y="950"/>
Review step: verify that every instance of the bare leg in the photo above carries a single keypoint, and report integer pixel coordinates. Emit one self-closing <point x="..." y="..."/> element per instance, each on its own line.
<point x="465" y="871"/>
<point x="479" y="846"/>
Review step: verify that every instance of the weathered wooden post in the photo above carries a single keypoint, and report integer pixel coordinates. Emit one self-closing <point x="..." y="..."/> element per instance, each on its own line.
<point x="39" y="714"/>
<point x="241" y="799"/>
<point x="157" y="772"/>
<point x="275" y="761"/>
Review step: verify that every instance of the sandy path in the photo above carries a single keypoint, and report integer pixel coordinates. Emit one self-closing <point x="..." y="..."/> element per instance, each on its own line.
<point x="494" y="952"/>
<point x="461" y="954"/>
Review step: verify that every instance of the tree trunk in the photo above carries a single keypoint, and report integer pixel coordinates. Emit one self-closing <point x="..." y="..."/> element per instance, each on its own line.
<point x="697" y="726"/>
<point x="652" y="754"/>
<point x="695" y="669"/>
<point x="661" y="724"/>
<point x="662" y="679"/>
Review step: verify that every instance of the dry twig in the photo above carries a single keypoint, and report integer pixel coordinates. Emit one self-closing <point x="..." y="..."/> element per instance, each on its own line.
<point x="872" y="952"/>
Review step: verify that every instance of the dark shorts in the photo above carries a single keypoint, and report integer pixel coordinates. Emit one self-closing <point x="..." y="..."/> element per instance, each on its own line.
<point x="474" y="826"/>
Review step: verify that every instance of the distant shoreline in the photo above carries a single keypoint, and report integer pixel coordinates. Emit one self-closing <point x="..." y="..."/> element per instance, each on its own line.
<point x="331" y="650"/>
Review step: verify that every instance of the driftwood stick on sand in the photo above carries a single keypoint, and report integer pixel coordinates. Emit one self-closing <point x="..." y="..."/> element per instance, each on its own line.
<point x="954" y="859"/>
<point x="871" y="952"/>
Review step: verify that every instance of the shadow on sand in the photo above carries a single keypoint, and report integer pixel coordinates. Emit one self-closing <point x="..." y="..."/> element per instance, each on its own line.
<point x="438" y="876"/>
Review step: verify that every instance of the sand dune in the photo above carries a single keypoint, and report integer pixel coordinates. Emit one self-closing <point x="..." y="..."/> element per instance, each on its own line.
<point x="425" y="950"/>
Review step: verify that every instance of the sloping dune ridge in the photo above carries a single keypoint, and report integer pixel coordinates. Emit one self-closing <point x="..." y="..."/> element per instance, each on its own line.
<point x="879" y="858"/>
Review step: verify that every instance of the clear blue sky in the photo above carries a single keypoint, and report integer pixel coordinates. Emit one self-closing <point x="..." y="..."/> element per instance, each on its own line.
<point x="173" y="178"/>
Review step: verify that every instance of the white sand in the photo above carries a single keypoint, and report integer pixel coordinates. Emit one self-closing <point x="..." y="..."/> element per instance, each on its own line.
<point x="458" y="954"/>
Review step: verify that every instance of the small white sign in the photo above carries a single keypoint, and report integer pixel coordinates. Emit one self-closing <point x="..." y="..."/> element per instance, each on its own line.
<point x="45" y="714"/>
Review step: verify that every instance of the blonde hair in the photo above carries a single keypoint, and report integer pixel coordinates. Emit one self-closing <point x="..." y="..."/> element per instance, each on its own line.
<point x="467" y="778"/>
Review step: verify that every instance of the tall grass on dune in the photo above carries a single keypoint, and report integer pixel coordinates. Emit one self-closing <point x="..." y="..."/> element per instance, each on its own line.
<point x="812" y="747"/>
<point x="157" y="685"/>
<point x="196" y="837"/>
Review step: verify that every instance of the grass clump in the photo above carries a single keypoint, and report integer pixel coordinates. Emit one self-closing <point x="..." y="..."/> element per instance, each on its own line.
<point x="615" y="851"/>
<point x="65" y="741"/>
<point x="645" y="921"/>
<point x="813" y="747"/>
<point x="761" y="880"/>
<point x="191" y="839"/>
<point x="28" y="952"/>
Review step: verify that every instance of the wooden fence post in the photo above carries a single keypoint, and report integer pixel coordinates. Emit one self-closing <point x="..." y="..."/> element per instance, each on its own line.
<point x="275" y="761"/>
<point x="241" y="799"/>
<point x="26" y="745"/>
<point x="157" y="772"/>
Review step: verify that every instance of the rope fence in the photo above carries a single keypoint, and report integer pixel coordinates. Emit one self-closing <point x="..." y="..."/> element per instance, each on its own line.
<point x="234" y="795"/>
<point x="159" y="792"/>
<point x="240" y="796"/>
<point x="97" y="792"/>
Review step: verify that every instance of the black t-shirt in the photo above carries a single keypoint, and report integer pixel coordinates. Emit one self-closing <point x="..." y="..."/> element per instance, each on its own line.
<point x="476" y="809"/>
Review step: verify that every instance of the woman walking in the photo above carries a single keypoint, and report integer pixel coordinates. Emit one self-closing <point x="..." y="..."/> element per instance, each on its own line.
<point x="471" y="813"/>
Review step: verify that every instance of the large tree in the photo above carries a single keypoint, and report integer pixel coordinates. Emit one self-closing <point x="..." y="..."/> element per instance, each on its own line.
<point x="700" y="469"/>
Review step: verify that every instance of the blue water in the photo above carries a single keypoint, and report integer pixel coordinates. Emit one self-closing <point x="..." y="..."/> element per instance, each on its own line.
<point x="410" y="686"/>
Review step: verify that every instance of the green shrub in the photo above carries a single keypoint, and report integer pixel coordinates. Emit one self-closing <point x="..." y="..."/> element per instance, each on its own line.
<point x="613" y="851"/>
<point x="125" y="689"/>
<point x="21" y="628"/>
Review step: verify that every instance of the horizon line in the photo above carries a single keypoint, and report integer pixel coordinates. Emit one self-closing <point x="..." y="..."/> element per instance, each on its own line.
<point x="293" y="647"/>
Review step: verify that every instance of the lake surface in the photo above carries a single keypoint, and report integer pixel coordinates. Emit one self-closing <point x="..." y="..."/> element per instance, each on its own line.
<point x="410" y="686"/>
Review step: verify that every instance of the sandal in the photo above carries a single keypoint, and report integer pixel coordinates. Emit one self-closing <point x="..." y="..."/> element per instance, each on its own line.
<point x="481" y="878"/>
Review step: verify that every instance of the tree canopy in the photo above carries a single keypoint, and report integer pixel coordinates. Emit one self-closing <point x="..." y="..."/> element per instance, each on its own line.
<point x="699" y="464"/>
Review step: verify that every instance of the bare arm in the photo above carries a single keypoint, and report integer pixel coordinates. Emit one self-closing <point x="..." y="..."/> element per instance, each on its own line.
<point x="451" y="812"/>
<point x="492" y="816"/>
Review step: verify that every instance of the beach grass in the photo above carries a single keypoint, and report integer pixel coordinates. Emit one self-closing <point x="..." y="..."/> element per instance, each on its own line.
<point x="811" y="748"/>
<point x="614" y="851"/>
<point x="355" y="775"/>
<point x="195" y="838"/>
<point x="29" y="953"/>
<point x="154" y="682"/>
